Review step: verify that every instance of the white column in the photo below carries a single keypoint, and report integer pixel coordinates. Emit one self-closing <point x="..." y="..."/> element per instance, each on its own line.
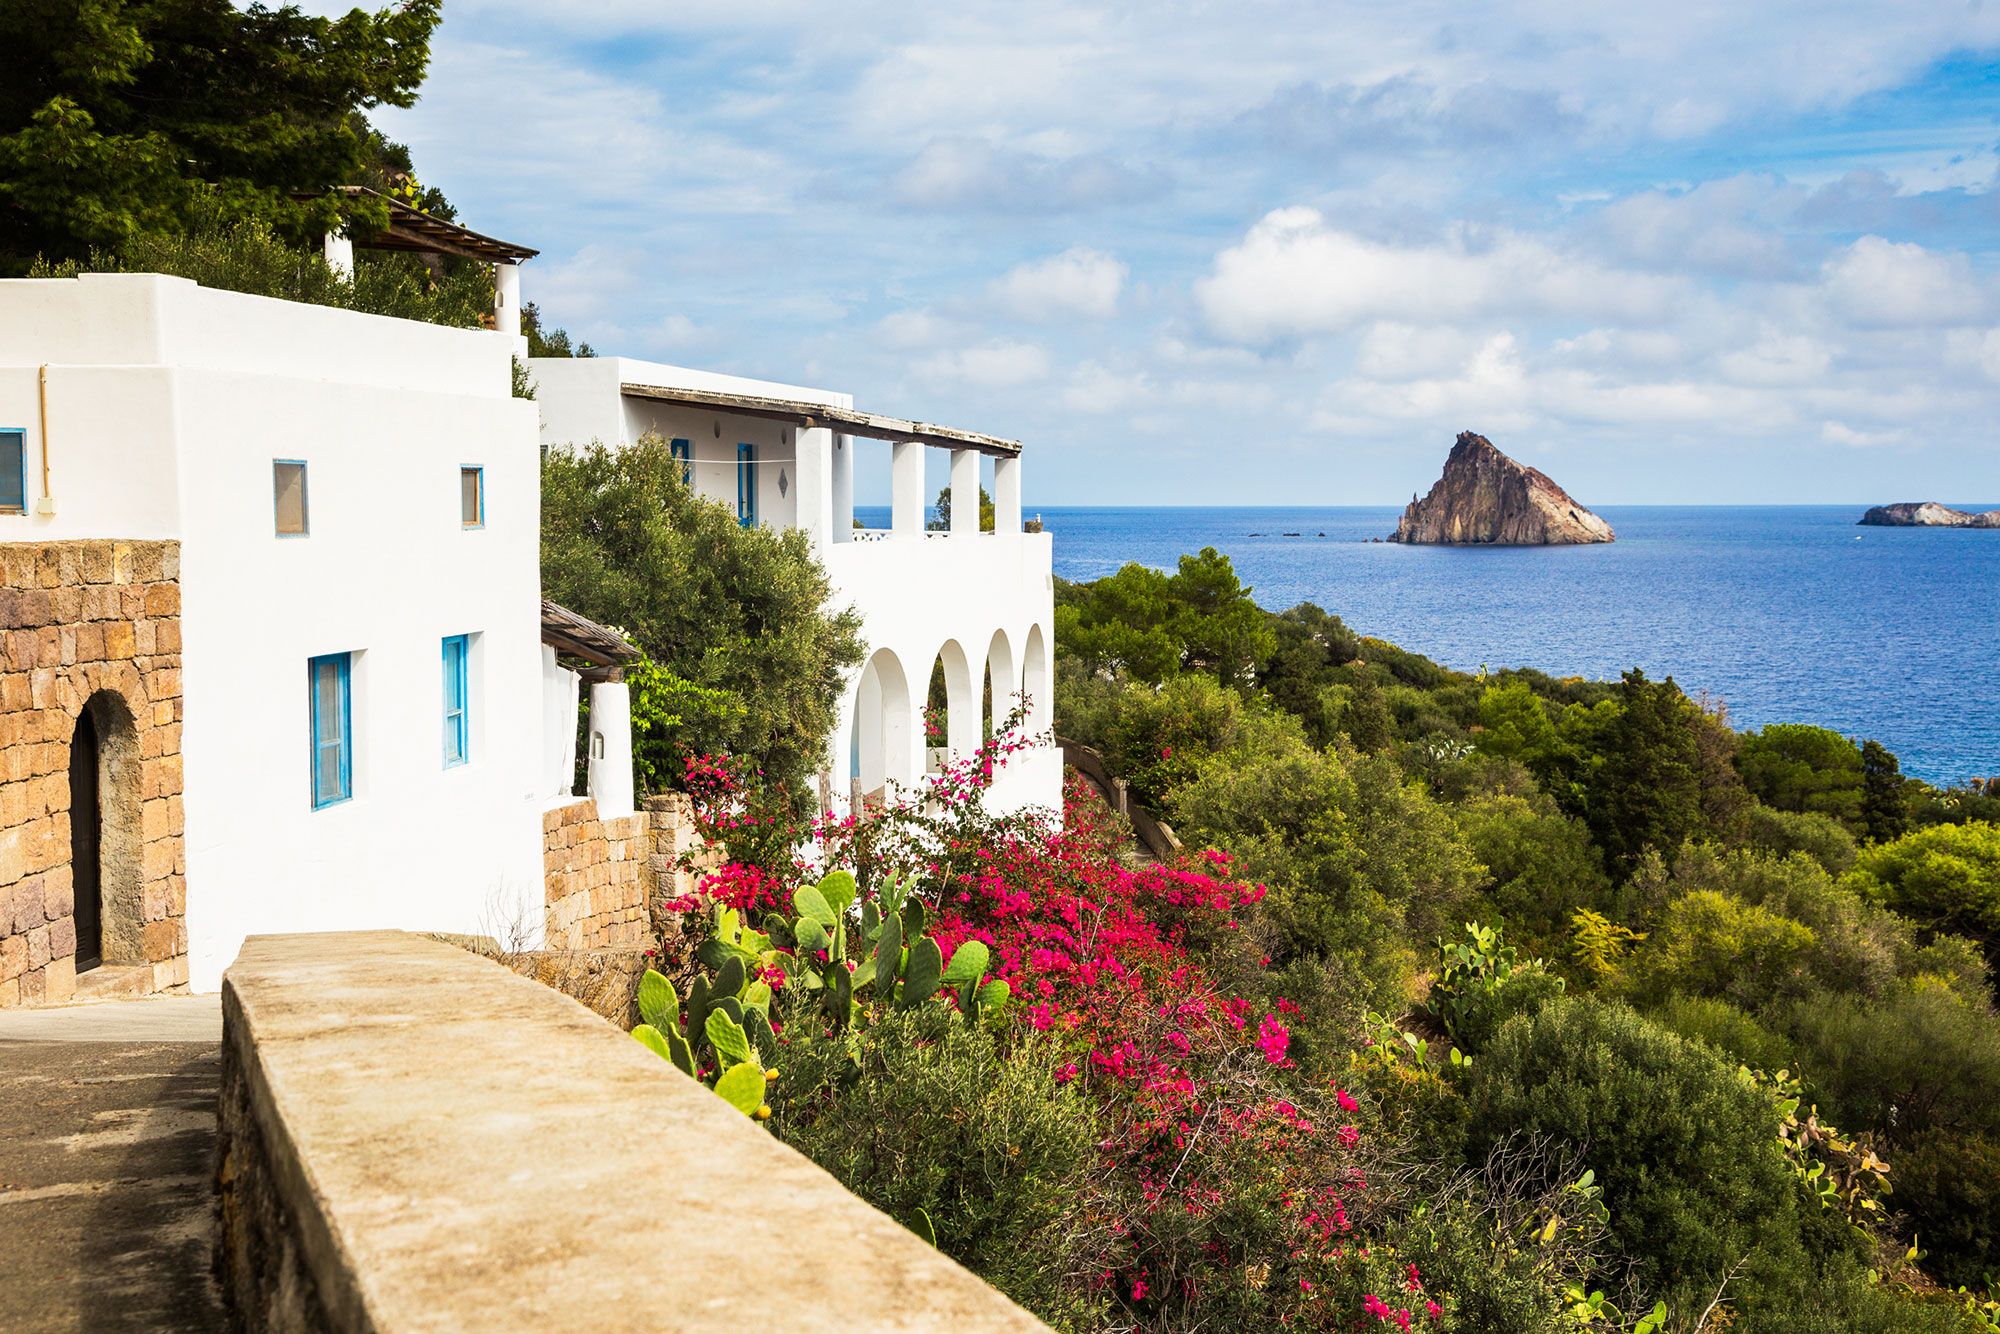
<point x="843" y="489"/>
<point x="1006" y="493"/>
<point x="814" y="464"/>
<point x="507" y="299"/>
<point x="610" y="772"/>
<point x="965" y="492"/>
<point x="340" y="254"/>
<point x="906" y="489"/>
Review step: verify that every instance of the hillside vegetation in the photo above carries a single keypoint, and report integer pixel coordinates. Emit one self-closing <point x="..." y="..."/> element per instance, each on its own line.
<point x="1491" y="1002"/>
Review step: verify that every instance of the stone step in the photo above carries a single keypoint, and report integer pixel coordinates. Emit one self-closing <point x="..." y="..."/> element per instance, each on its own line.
<point x="113" y="982"/>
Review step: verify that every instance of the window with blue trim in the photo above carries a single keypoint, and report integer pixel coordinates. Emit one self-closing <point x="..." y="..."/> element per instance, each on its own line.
<point x="330" y="680"/>
<point x="746" y="486"/>
<point x="684" y="451"/>
<point x="13" y="472"/>
<point x="457" y="733"/>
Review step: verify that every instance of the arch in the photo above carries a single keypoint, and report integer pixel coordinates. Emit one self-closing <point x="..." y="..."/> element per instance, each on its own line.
<point x="1001" y="687"/>
<point x="106" y="834"/>
<point x="1035" y="681"/>
<point x="881" y="740"/>
<point x="951" y="695"/>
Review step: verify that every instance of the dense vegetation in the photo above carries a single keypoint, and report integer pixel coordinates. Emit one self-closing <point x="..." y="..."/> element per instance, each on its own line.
<point x="741" y="657"/>
<point x="1716" y="1049"/>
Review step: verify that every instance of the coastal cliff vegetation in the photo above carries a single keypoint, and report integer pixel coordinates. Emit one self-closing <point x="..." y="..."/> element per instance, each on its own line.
<point x="1490" y="1001"/>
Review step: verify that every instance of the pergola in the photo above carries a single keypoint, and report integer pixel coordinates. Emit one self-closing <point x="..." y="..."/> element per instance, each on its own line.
<point x="412" y="229"/>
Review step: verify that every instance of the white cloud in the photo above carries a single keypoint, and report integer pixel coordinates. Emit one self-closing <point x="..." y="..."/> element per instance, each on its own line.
<point x="1096" y="389"/>
<point x="978" y="175"/>
<point x="1295" y="275"/>
<point x="1898" y="284"/>
<point x="1000" y="364"/>
<point x="1840" y="433"/>
<point x="1078" y="282"/>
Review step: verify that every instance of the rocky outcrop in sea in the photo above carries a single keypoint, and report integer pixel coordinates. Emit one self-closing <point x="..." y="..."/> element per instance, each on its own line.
<point x="1486" y="498"/>
<point x="1927" y="514"/>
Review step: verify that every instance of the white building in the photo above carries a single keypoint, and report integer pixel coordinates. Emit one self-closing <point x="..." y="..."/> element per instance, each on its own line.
<point x="979" y="603"/>
<point x="273" y="596"/>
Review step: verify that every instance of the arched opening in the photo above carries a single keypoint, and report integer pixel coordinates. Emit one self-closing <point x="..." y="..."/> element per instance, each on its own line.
<point x="951" y="719"/>
<point x="1035" y="681"/>
<point x="881" y="744"/>
<point x="105" y="835"/>
<point x="1001" y="690"/>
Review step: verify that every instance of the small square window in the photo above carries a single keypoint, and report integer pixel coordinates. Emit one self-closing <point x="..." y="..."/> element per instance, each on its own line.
<point x="472" y="497"/>
<point x="288" y="496"/>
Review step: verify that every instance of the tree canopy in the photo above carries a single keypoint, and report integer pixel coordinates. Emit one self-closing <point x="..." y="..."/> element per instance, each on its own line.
<point x="736" y="617"/>
<point x="123" y="118"/>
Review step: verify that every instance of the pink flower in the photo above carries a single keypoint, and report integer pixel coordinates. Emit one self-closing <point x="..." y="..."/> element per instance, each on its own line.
<point x="1345" y="1099"/>
<point x="1273" y="1039"/>
<point x="1432" y="1309"/>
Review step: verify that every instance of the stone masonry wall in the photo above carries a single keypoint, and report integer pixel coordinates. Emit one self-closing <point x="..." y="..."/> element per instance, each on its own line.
<point x="95" y="623"/>
<point x="678" y="857"/>
<point x="594" y="878"/>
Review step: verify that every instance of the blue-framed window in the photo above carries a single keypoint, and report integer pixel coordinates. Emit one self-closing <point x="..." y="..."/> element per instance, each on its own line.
<point x="471" y="497"/>
<point x="684" y="451"/>
<point x="13" y="471"/>
<point x="330" y="681"/>
<point x="746" y="485"/>
<point x="288" y="497"/>
<point x="457" y="701"/>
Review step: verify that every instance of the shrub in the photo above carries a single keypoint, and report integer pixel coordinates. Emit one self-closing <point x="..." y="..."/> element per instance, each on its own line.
<point x="1684" y="1146"/>
<point x="246" y="256"/>
<point x="1797" y="767"/>
<point x="1726" y="1028"/>
<point x="1820" y="837"/>
<point x="1540" y="865"/>
<point x="1945" y="878"/>
<point x="1948" y="1189"/>
<point x="1359" y="861"/>
<point x="1709" y="944"/>
<point x="1482" y="984"/>
<point x="921" y="1112"/>
<point x="1920" y="1057"/>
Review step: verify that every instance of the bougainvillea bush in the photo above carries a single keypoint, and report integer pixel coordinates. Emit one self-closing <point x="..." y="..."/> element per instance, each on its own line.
<point x="1203" y="1178"/>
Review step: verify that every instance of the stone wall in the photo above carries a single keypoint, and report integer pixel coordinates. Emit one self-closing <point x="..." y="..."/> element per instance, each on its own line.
<point x="595" y="878"/>
<point x="678" y="857"/>
<point x="90" y="624"/>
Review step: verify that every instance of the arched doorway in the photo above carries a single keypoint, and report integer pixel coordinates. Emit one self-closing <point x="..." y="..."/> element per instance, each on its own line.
<point x="86" y="843"/>
<point x="881" y="745"/>
<point x="951" y="725"/>
<point x="105" y="835"/>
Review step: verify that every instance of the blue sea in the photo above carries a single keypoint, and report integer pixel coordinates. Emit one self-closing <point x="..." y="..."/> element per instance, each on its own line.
<point x="1786" y="613"/>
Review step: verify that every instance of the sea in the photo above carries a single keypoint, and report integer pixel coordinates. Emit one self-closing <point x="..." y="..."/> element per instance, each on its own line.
<point x="1785" y="613"/>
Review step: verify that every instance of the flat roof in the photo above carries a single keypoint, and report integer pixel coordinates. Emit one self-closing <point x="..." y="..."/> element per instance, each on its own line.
<point x="851" y="421"/>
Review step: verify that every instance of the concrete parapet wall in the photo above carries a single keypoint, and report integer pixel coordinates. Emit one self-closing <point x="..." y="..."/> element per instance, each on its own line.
<point x="415" y="1138"/>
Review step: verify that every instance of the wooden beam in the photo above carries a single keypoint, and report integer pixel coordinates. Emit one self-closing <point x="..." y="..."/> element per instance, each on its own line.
<point x="803" y="413"/>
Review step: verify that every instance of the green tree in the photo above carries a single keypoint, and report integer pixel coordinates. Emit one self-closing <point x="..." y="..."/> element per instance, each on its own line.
<point x="1221" y="631"/>
<point x="724" y="608"/>
<point x="120" y="117"/>
<point x="942" y="523"/>
<point x="1944" y="878"/>
<point x="1885" y="810"/>
<point x="1647" y="791"/>
<point x="1796" y="767"/>
<point x="1541" y="866"/>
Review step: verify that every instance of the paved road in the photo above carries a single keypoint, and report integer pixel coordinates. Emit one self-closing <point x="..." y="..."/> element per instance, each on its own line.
<point x="107" y="1147"/>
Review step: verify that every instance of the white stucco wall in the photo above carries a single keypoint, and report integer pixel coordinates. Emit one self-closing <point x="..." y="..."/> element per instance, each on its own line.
<point x="171" y="433"/>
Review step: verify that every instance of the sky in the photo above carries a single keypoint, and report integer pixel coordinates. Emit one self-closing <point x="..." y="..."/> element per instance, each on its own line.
<point x="1280" y="253"/>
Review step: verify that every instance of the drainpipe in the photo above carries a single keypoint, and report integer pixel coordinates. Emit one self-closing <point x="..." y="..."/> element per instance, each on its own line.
<point x="47" y="503"/>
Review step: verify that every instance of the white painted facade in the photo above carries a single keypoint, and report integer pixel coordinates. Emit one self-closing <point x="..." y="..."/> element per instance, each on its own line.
<point x="977" y="601"/>
<point x="167" y="405"/>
